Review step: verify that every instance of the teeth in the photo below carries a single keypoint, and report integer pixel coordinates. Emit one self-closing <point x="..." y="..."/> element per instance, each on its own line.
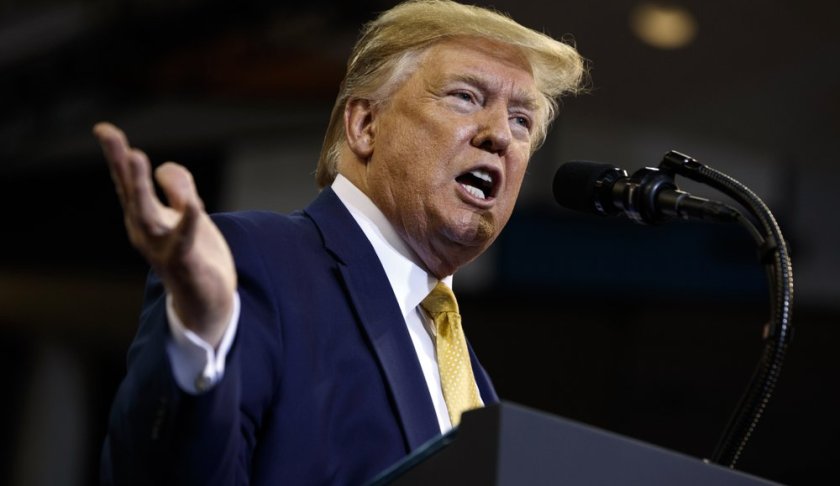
<point x="474" y="191"/>
<point x="483" y="175"/>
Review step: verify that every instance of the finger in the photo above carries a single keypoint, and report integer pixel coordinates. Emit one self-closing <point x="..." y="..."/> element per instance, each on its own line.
<point x="188" y="226"/>
<point x="115" y="147"/>
<point x="143" y="206"/>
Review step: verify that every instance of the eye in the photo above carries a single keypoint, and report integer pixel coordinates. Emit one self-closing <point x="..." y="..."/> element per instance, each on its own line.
<point x="464" y="96"/>
<point x="523" y="121"/>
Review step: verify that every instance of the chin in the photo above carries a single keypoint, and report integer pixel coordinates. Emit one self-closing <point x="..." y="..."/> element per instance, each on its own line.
<point x="477" y="234"/>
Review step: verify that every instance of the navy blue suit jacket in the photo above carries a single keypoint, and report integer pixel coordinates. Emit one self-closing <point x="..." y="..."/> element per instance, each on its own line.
<point x="322" y="384"/>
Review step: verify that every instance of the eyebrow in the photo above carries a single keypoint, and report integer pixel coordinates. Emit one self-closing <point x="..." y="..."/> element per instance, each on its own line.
<point x="520" y="97"/>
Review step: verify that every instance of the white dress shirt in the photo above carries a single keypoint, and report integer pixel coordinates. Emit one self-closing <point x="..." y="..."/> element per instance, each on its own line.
<point x="197" y="366"/>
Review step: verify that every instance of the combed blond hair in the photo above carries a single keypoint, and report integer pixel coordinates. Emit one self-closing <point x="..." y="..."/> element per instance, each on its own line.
<point x="389" y="47"/>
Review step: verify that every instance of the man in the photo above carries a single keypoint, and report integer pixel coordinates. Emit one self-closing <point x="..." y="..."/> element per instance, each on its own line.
<point x="301" y="349"/>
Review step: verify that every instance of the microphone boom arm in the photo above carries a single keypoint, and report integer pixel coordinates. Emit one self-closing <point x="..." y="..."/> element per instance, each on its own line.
<point x="774" y="255"/>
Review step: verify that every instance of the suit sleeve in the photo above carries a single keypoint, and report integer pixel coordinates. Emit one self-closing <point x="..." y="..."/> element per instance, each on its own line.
<point x="159" y="434"/>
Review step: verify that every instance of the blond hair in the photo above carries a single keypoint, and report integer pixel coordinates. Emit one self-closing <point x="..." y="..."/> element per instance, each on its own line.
<point x="389" y="47"/>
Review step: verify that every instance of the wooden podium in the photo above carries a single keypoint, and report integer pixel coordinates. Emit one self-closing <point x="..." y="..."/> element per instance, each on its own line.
<point x="508" y="444"/>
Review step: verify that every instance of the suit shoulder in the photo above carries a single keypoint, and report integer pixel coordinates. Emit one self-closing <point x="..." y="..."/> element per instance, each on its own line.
<point x="253" y="233"/>
<point x="262" y="223"/>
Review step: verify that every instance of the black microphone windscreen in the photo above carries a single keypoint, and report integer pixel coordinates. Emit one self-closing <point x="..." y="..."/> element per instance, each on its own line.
<point x="575" y="184"/>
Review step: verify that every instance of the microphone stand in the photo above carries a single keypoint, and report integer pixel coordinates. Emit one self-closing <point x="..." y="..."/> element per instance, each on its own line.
<point x="773" y="253"/>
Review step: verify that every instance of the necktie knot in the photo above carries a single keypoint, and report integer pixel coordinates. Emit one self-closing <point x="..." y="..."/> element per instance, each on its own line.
<point x="440" y="300"/>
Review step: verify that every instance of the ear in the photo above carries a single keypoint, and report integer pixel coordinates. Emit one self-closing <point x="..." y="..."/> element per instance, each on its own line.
<point x="359" y="127"/>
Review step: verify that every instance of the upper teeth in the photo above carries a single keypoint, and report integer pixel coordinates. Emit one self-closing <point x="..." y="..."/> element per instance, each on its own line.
<point x="482" y="174"/>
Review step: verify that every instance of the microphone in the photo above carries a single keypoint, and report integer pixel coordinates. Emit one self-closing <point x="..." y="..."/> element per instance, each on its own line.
<point x="649" y="196"/>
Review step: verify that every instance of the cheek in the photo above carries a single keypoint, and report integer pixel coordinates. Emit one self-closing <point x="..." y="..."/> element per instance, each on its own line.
<point x="516" y="174"/>
<point x="410" y="148"/>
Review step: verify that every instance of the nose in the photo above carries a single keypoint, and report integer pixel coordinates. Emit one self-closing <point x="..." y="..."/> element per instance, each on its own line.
<point x="493" y="133"/>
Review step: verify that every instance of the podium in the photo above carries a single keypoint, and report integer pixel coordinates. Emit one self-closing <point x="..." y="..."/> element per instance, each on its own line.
<point x="507" y="444"/>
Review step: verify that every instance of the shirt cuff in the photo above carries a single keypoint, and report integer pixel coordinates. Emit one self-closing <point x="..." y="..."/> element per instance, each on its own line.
<point x="197" y="367"/>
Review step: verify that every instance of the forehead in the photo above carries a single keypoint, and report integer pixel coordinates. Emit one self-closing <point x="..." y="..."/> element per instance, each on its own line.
<point x="493" y="62"/>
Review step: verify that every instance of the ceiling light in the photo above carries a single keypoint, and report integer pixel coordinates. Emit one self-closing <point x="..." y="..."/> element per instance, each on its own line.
<point x="664" y="26"/>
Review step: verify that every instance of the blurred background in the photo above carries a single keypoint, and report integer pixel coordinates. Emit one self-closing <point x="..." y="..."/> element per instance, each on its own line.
<point x="649" y="332"/>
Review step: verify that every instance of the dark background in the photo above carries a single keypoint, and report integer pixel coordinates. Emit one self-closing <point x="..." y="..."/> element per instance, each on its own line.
<point x="648" y="332"/>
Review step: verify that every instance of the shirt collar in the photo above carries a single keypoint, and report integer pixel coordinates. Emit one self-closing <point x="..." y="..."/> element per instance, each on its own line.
<point x="409" y="280"/>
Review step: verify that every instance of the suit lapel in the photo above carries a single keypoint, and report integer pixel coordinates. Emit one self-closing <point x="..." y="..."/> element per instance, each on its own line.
<point x="372" y="297"/>
<point x="485" y="386"/>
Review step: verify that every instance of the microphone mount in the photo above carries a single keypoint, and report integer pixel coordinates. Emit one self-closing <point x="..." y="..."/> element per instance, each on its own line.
<point x="649" y="196"/>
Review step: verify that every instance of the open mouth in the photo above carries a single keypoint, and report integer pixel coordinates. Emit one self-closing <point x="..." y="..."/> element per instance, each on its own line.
<point x="479" y="183"/>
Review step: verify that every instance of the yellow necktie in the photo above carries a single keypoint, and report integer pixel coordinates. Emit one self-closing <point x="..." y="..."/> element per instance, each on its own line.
<point x="456" y="376"/>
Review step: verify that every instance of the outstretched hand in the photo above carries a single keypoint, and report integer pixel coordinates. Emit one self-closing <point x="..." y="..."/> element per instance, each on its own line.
<point x="179" y="241"/>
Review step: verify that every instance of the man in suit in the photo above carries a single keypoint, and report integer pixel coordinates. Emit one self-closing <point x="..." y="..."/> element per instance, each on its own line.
<point x="300" y="349"/>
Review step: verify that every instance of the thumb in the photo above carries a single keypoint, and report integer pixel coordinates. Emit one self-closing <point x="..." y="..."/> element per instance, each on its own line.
<point x="178" y="186"/>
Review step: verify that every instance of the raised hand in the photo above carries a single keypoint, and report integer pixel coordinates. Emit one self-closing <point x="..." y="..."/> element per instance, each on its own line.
<point x="179" y="241"/>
